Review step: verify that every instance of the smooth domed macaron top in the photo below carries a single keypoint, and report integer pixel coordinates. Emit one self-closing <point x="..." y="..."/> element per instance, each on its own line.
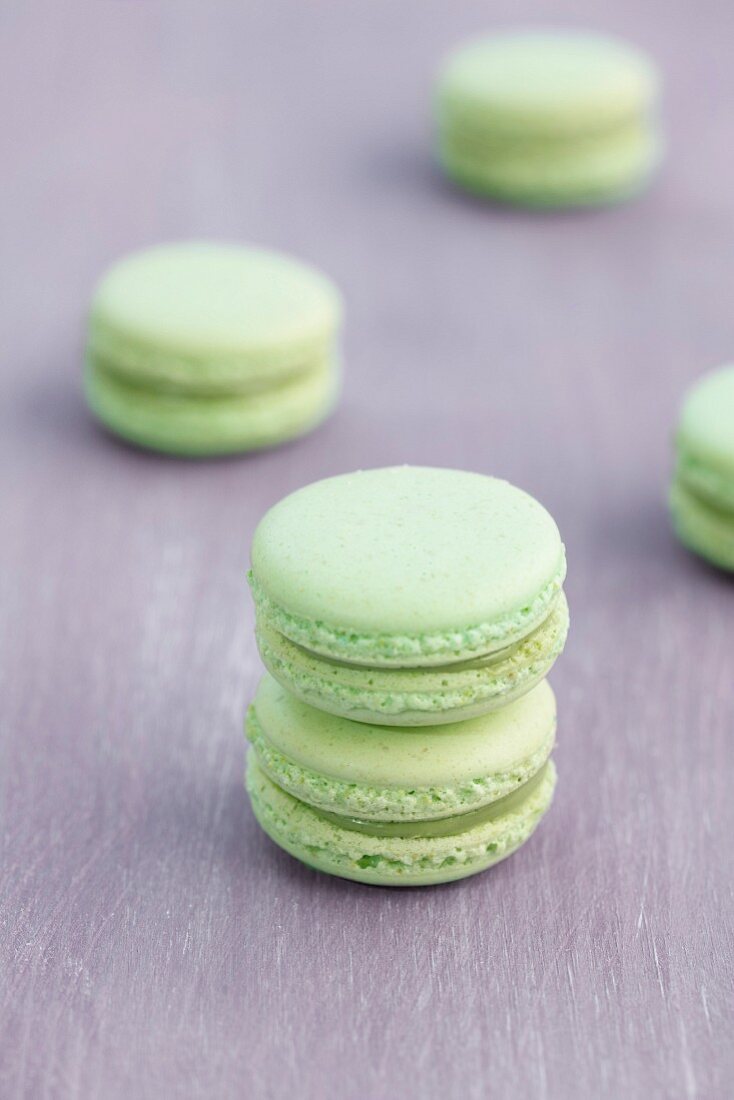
<point x="392" y="756"/>
<point x="410" y="550"/>
<point x="706" y="427"/>
<point x="550" y="79"/>
<point x="211" y="306"/>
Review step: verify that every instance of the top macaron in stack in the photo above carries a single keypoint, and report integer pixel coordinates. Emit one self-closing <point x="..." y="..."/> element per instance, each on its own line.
<point x="202" y="349"/>
<point x="408" y="618"/>
<point x="548" y="119"/>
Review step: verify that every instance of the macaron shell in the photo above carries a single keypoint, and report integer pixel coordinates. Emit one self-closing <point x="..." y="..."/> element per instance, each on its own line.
<point x="406" y="565"/>
<point x="392" y="861"/>
<point x="197" y="425"/>
<point x="610" y="169"/>
<point x="387" y="773"/>
<point x="212" y="317"/>
<point x="416" y="696"/>
<point x="546" y="82"/>
<point x="390" y="803"/>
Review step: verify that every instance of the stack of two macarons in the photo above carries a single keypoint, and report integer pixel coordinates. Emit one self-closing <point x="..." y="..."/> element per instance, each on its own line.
<point x="407" y="618"/>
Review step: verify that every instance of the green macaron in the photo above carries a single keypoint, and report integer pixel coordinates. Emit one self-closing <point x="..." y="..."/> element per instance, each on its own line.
<point x="409" y="595"/>
<point x="548" y="118"/>
<point x="199" y="348"/>
<point x="394" y="806"/>
<point x="702" y="493"/>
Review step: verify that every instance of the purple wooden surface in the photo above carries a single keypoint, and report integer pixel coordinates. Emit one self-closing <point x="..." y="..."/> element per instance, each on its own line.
<point x="152" y="941"/>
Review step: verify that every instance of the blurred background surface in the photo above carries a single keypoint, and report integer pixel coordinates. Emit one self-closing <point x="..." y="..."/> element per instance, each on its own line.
<point x="152" y="941"/>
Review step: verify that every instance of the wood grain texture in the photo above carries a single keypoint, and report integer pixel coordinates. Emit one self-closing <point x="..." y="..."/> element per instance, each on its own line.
<point x="152" y="942"/>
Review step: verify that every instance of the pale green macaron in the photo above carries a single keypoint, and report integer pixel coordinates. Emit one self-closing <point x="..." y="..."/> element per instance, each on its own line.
<point x="394" y="806"/>
<point x="702" y="493"/>
<point x="409" y="595"/>
<point x="548" y="118"/>
<point x="200" y="349"/>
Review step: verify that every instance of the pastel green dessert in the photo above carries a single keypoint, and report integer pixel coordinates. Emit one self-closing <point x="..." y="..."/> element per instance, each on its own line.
<point x="409" y="595"/>
<point x="702" y="494"/>
<point x="394" y="806"/>
<point x="200" y="349"/>
<point x="548" y="119"/>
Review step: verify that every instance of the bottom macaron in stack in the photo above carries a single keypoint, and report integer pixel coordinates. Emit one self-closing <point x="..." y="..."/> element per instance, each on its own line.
<point x="408" y="617"/>
<point x="702" y="493"/>
<point x="396" y="806"/>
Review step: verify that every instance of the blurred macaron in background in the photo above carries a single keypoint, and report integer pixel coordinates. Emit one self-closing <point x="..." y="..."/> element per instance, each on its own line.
<point x="702" y="493"/>
<point x="542" y="118"/>
<point x="198" y="348"/>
